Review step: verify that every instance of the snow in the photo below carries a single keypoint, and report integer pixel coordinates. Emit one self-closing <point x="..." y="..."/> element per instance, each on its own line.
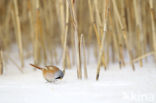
<point x="114" y="86"/>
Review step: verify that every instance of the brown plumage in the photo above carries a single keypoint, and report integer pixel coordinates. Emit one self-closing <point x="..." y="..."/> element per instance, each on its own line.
<point x="50" y="73"/>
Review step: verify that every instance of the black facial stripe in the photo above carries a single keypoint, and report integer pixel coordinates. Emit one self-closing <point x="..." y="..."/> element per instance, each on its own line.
<point x="58" y="78"/>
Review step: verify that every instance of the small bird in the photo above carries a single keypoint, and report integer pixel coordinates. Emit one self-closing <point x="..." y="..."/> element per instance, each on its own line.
<point x="50" y="73"/>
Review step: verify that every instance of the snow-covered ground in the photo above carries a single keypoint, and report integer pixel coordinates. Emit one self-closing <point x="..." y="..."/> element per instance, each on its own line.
<point x="114" y="86"/>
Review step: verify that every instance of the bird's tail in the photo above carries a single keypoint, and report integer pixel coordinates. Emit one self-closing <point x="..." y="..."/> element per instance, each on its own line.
<point x="36" y="66"/>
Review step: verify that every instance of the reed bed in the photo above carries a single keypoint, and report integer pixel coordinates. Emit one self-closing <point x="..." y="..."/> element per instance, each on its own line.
<point x="110" y="27"/>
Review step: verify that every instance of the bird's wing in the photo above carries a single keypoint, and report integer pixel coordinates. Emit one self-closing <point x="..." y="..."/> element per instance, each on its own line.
<point x="51" y="67"/>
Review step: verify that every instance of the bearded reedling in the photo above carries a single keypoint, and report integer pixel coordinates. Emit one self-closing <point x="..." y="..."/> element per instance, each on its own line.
<point x="50" y="73"/>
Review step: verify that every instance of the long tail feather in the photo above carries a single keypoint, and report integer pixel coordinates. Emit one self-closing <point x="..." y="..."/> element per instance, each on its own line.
<point x="36" y="66"/>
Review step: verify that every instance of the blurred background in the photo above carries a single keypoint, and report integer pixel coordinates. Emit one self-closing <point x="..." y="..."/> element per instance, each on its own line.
<point x="49" y="31"/>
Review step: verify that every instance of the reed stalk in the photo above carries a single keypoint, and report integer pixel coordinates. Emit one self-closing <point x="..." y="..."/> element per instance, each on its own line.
<point x="65" y="37"/>
<point x="77" y="43"/>
<point x="103" y="38"/>
<point x="1" y="62"/>
<point x="153" y="25"/>
<point x="82" y="45"/>
<point x="19" y="34"/>
<point x="124" y="32"/>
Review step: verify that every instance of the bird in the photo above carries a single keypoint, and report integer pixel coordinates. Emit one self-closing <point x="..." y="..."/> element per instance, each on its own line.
<point x="50" y="73"/>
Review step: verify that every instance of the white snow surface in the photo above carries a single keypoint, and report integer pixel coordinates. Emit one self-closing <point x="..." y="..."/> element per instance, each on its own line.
<point x="114" y="86"/>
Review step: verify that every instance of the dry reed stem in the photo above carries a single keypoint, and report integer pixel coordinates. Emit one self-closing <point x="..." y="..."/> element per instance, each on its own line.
<point x="62" y="21"/>
<point x="120" y="46"/>
<point x="97" y="35"/>
<point x="66" y="35"/>
<point x="98" y="20"/>
<point x="99" y="45"/>
<point x="90" y="11"/>
<point x="6" y="39"/>
<point x="19" y="35"/>
<point x="103" y="38"/>
<point x="32" y="29"/>
<point x="116" y="43"/>
<point x="68" y="59"/>
<point x="1" y="62"/>
<point x="131" y="28"/>
<point x="124" y="32"/>
<point x="153" y="25"/>
<point x="139" y="28"/>
<point x="73" y="50"/>
<point x="77" y="46"/>
<point x="91" y="15"/>
<point x="143" y="56"/>
<point x="82" y="45"/>
<point x="36" y="37"/>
